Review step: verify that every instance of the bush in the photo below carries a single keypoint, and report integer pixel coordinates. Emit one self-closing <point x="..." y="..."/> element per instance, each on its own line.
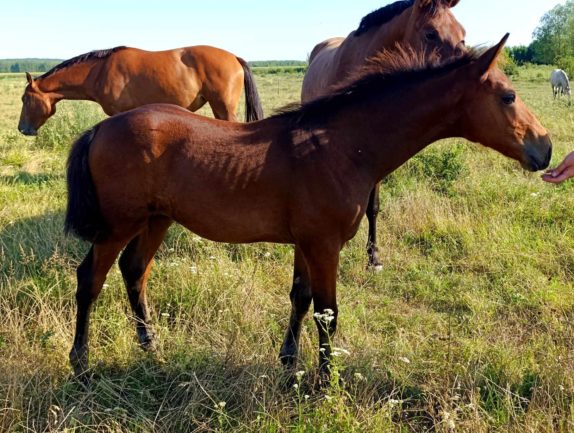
<point x="508" y="64"/>
<point x="567" y="64"/>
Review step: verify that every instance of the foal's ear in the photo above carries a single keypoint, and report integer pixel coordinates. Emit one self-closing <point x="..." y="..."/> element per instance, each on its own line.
<point x="29" y="78"/>
<point x="487" y="61"/>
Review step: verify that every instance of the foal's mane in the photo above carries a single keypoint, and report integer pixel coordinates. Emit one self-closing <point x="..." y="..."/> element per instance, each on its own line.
<point x="389" y="71"/>
<point x="97" y="54"/>
<point x="383" y="15"/>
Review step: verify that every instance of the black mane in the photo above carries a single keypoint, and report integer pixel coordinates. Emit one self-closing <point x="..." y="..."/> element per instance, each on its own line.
<point x="383" y="15"/>
<point x="376" y="79"/>
<point x="98" y="54"/>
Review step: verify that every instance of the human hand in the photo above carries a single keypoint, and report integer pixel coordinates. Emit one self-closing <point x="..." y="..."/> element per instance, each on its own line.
<point x="564" y="171"/>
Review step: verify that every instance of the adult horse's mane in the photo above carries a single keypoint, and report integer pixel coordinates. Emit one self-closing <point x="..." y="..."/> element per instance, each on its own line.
<point x="389" y="71"/>
<point x="383" y="15"/>
<point x="97" y="54"/>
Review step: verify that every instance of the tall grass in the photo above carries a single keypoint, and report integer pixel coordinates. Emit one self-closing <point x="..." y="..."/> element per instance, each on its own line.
<point x="468" y="328"/>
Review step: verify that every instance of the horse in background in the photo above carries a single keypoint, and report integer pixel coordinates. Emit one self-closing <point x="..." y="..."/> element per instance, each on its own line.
<point x="123" y="78"/>
<point x="425" y="25"/>
<point x="301" y="177"/>
<point x="560" y="83"/>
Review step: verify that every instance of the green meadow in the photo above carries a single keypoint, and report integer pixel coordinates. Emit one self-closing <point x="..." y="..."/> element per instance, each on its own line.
<point x="468" y="328"/>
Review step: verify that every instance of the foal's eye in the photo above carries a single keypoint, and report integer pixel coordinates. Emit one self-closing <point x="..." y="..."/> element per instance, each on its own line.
<point x="509" y="98"/>
<point x="431" y="35"/>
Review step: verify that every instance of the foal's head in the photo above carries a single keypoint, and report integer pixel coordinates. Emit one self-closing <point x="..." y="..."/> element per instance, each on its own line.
<point x="433" y="27"/>
<point x="495" y="116"/>
<point x="37" y="107"/>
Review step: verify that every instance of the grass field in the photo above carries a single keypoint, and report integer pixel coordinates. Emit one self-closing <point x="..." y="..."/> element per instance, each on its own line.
<point x="469" y="327"/>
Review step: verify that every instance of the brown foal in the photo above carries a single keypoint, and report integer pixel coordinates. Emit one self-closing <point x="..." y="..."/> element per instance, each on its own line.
<point x="427" y="25"/>
<point x="301" y="177"/>
<point x="122" y="78"/>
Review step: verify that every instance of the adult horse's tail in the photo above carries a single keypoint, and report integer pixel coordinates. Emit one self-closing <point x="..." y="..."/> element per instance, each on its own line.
<point x="253" y="108"/>
<point x="83" y="215"/>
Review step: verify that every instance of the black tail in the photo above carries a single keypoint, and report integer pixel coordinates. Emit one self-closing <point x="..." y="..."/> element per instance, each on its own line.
<point x="253" y="108"/>
<point x="83" y="216"/>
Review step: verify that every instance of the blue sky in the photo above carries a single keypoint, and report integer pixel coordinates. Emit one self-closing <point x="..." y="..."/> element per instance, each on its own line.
<point x="255" y="30"/>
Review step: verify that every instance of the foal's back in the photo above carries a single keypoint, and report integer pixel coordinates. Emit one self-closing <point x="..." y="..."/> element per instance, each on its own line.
<point x="222" y="180"/>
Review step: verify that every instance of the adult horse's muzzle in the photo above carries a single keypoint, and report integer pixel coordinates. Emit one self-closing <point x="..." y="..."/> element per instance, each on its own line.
<point x="537" y="153"/>
<point x="28" y="130"/>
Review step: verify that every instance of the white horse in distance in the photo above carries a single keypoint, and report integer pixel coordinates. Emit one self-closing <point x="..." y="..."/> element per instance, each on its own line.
<point x="560" y="83"/>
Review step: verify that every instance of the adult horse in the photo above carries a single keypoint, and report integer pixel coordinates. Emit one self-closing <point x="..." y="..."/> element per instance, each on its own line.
<point x="559" y="82"/>
<point x="123" y="78"/>
<point x="421" y="24"/>
<point x="301" y="177"/>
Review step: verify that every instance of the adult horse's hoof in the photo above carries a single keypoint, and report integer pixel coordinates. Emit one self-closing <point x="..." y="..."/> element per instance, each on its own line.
<point x="79" y="363"/>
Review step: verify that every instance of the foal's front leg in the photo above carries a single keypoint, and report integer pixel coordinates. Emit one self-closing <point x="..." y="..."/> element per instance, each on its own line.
<point x="323" y="261"/>
<point x="300" y="302"/>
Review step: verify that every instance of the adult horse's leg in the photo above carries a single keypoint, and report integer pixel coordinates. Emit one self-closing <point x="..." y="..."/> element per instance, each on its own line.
<point x="91" y="275"/>
<point x="322" y="261"/>
<point x="224" y="110"/>
<point x="300" y="301"/>
<point x="372" y="212"/>
<point x="135" y="264"/>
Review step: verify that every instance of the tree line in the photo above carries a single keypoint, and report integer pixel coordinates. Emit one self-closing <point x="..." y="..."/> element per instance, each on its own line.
<point x="27" y="65"/>
<point x="553" y="40"/>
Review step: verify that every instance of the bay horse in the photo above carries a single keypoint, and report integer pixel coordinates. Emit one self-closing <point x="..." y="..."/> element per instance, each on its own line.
<point x="123" y="78"/>
<point x="421" y="24"/>
<point x="301" y="177"/>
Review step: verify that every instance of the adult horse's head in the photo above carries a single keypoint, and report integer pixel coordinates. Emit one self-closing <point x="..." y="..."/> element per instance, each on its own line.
<point x="495" y="116"/>
<point x="432" y="27"/>
<point x="37" y="107"/>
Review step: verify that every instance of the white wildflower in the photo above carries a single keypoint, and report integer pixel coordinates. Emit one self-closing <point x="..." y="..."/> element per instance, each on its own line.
<point x="299" y="374"/>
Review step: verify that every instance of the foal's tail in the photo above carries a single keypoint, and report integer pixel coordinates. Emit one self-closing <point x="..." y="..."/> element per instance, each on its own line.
<point x="253" y="108"/>
<point x="83" y="216"/>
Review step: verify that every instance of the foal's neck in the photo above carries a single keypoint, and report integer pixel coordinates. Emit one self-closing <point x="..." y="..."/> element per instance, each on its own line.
<point x="389" y="130"/>
<point x="72" y="82"/>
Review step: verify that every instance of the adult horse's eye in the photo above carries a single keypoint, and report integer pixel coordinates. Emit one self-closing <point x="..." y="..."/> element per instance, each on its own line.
<point x="509" y="98"/>
<point x="431" y="35"/>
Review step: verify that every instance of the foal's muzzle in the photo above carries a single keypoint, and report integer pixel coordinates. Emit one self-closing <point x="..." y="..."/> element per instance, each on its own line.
<point x="538" y="154"/>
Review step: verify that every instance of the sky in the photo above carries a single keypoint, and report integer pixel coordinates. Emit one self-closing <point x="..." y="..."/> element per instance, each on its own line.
<point x="252" y="29"/>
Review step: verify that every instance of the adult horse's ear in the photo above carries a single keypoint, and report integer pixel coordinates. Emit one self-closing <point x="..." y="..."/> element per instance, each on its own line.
<point x="451" y="3"/>
<point x="422" y="4"/>
<point x="29" y="78"/>
<point x="487" y="61"/>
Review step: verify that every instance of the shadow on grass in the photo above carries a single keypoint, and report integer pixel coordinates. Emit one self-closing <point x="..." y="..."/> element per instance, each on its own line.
<point x="201" y="391"/>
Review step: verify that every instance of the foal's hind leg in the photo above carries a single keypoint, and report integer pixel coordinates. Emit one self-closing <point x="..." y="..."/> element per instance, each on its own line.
<point x="91" y="275"/>
<point x="135" y="264"/>
<point x="372" y="213"/>
<point x="300" y="301"/>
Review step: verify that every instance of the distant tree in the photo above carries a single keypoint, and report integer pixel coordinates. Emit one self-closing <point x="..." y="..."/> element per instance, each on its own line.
<point x="554" y="37"/>
<point x="15" y="67"/>
<point x="521" y="54"/>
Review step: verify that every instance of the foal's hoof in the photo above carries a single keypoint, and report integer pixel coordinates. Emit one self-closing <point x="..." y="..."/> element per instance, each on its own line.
<point x="375" y="267"/>
<point x="149" y="345"/>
